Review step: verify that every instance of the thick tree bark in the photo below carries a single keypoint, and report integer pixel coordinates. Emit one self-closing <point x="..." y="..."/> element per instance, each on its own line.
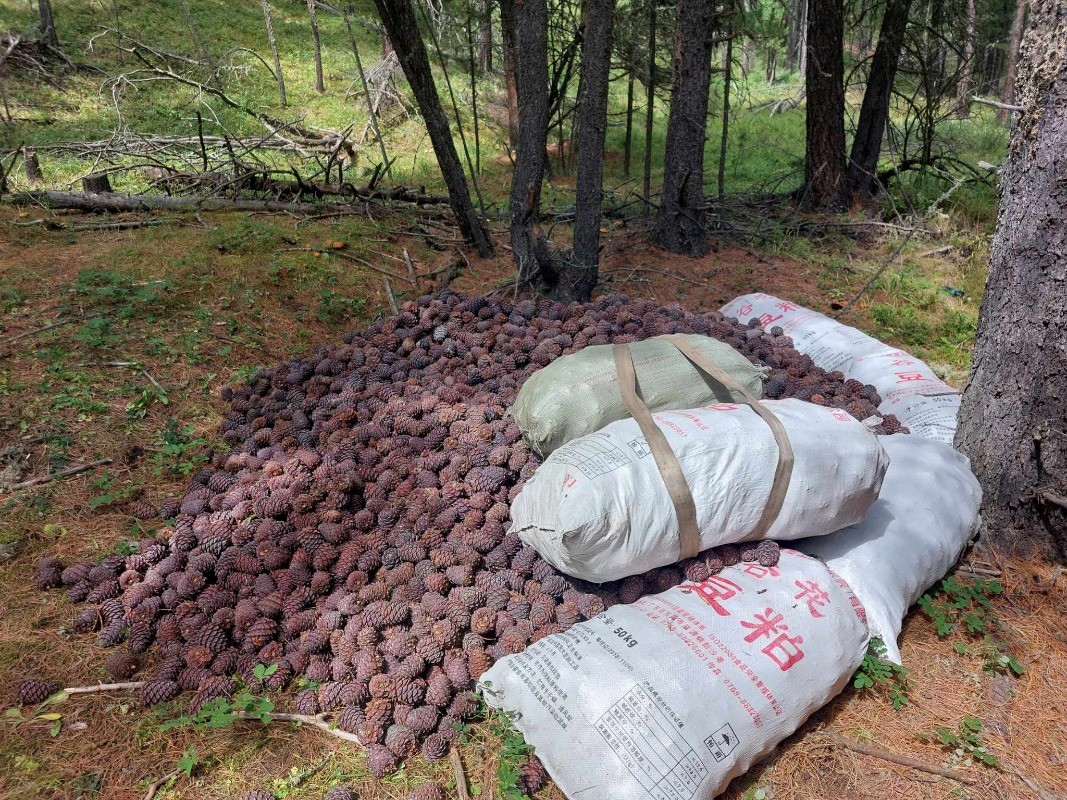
<point x="507" y="37"/>
<point x="31" y="166"/>
<point x="592" y="123"/>
<point x="679" y="226"/>
<point x="825" y="186"/>
<point x="530" y="19"/>
<point x="650" y="105"/>
<point x="398" y="17"/>
<point x="320" y="87"/>
<point x="874" y="113"/>
<point x="1012" y="420"/>
<point x="274" y="52"/>
<point x="1008" y="93"/>
<point x="963" y="86"/>
<point x="48" y="23"/>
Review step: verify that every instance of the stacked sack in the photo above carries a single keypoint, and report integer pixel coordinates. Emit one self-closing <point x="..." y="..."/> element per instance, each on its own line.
<point x="675" y="695"/>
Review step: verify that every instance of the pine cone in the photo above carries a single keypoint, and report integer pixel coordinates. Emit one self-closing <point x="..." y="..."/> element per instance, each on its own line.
<point x="31" y="692"/>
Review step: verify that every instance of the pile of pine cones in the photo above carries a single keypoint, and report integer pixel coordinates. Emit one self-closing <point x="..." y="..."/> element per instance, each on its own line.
<point x="357" y="532"/>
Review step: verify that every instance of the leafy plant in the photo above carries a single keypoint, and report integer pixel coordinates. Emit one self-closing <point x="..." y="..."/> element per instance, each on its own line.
<point x="876" y="672"/>
<point x="14" y="715"/>
<point x="187" y="763"/>
<point x="954" y="605"/>
<point x="513" y="754"/>
<point x="178" y="450"/>
<point x="138" y="407"/>
<point x="110" y="493"/>
<point x="965" y="742"/>
<point x="335" y="309"/>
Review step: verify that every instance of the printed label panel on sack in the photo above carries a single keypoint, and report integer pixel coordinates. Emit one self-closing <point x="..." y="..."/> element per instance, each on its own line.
<point x="674" y="695"/>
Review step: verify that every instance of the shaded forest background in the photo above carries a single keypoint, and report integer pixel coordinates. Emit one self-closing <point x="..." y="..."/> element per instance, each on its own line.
<point x="698" y="118"/>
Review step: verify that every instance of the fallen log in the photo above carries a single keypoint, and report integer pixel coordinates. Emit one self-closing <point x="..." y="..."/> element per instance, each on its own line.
<point x="115" y="202"/>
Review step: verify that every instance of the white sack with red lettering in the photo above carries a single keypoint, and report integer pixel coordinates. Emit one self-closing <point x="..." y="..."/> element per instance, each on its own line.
<point x="598" y="509"/>
<point x="673" y="696"/>
<point x="909" y="388"/>
<point x="925" y="515"/>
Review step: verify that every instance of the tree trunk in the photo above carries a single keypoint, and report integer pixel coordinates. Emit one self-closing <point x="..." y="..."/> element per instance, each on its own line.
<point x="825" y="186"/>
<point x="627" y="151"/>
<point x="650" y="105"/>
<point x="48" y="23"/>
<point x="679" y="226"/>
<point x="485" y="37"/>
<point x="274" y="52"/>
<point x="802" y="51"/>
<point x="346" y="12"/>
<point x="796" y="11"/>
<point x="507" y="37"/>
<point x="398" y="17"/>
<point x="936" y="39"/>
<point x="963" y="87"/>
<point x="1015" y="404"/>
<point x="772" y="65"/>
<point x="530" y="19"/>
<point x="727" y="76"/>
<point x="1008" y="94"/>
<point x="592" y="123"/>
<point x="874" y="113"/>
<point x="320" y="87"/>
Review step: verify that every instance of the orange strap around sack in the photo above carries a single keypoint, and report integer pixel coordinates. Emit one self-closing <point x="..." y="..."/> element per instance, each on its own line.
<point x="667" y="462"/>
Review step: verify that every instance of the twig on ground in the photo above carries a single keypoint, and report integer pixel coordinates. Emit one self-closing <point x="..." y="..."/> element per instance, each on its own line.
<point x="54" y="476"/>
<point x="130" y="365"/>
<point x="389" y="292"/>
<point x="411" y="266"/>
<point x="35" y="331"/>
<point x="897" y="758"/>
<point x="871" y="281"/>
<point x="345" y="256"/>
<point x="939" y="251"/>
<point x="460" y="775"/>
<point x="105" y="687"/>
<point x="155" y="787"/>
<point x="317" y="722"/>
<point x="1032" y="785"/>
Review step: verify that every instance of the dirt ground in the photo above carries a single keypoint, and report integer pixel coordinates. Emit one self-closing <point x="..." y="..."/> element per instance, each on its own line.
<point x="195" y="304"/>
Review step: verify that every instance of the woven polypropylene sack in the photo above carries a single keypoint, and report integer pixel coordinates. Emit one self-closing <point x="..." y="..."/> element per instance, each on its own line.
<point x="677" y="694"/>
<point x="598" y="509"/>
<point x="579" y="393"/>
<point x="926" y="514"/>
<point x="909" y="388"/>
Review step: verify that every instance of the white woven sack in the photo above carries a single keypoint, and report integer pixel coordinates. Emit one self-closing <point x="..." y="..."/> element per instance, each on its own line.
<point x="673" y="696"/>
<point x="909" y="388"/>
<point x="598" y="509"/>
<point x="924" y="517"/>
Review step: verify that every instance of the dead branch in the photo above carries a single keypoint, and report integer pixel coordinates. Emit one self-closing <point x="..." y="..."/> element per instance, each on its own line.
<point x="460" y="775"/>
<point x="997" y="104"/>
<point x="318" y="721"/>
<point x="154" y="787"/>
<point x="54" y="476"/>
<point x="35" y="331"/>
<point x="104" y="687"/>
<point x="389" y="293"/>
<point x="902" y="760"/>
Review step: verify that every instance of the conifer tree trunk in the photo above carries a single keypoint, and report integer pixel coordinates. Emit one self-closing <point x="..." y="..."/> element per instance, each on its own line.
<point x="485" y="36"/>
<point x="507" y="36"/>
<point x="1015" y="404"/>
<point x="274" y="52"/>
<point x="825" y="186"/>
<point x="1008" y="94"/>
<point x="592" y="123"/>
<point x="47" y="23"/>
<point x="874" y="113"/>
<point x="650" y="105"/>
<point x="679" y="226"/>
<point x="398" y="18"/>
<point x="963" y="87"/>
<point x="320" y="86"/>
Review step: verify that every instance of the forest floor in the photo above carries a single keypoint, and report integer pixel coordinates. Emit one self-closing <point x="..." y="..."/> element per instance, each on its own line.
<point x="191" y="305"/>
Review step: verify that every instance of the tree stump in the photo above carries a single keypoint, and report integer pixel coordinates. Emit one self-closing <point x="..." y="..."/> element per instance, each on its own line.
<point x="31" y="165"/>
<point x="97" y="182"/>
